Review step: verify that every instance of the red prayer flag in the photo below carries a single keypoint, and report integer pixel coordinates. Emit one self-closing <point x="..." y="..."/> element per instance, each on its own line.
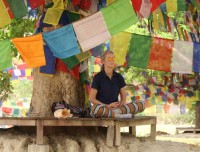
<point x="75" y="2"/>
<point x="155" y="4"/>
<point x="160" y="54"/>
<point x="61" y="66"/>
<point x="75" y="72"/>
<point x="36" y="3"/>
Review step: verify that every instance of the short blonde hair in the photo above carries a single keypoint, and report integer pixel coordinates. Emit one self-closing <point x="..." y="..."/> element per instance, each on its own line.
<point x="103" y="56"/>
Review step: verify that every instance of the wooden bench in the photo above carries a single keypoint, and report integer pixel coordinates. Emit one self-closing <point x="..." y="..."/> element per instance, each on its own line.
<point x="40" y="123"/>
<point x="113" y="125"/>
<point x="132" y="123"/>
<point x="193" y="129"/>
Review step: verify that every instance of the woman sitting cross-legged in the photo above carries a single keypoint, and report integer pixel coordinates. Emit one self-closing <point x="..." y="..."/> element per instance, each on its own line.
<point x="107" y="85"/>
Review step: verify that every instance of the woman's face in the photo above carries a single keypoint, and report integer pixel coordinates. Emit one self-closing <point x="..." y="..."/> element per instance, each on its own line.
<point x="109" y="61"/>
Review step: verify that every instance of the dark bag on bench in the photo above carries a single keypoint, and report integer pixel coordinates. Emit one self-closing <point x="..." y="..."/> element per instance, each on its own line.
<point x="76" y="111"/>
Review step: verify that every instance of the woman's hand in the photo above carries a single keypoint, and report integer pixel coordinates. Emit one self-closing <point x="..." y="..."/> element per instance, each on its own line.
<point x="113" y="105"/>
<point x="122" y="103"/>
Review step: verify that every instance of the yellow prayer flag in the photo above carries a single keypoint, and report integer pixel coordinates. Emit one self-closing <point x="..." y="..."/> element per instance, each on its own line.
<point x="4" y="16"/>
<point x="155" y="20"/>
<point x="171" y="6"/>
<point x="28" y="72"/>
<point x="58" y="4"/>
<point x="53" y="16"/>
<point x="160" y="16"/>
<point x="31" y="49"/>
<point x="119" y="44"/>
<point x="97" y="68"/>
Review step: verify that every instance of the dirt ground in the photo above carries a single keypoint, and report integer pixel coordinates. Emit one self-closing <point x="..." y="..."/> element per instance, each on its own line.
<point x="17" y="140"/>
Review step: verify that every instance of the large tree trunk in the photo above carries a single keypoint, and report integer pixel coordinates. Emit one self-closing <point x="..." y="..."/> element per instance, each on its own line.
<point x="197" y="110"/>
<point x="46" y="90"/>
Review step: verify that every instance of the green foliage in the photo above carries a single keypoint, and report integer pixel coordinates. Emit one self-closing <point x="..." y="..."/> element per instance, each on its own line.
<point x="22" y="88"/>
<point x="5" y="85"/>
<point x="178" y="119"/>
<point x="17" y="28"/>
<point x="134" y="74"/>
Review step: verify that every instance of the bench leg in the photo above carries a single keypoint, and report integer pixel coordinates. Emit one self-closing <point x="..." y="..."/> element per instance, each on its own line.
<point x="117" y="135"/>
<point x="39" y="135"/>
<point x="153" y="131"/>
<point x="132" y="130"/>
<point x="110" y="136"/>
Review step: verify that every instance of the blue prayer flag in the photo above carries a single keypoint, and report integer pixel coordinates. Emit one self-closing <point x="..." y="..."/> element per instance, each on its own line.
<point x="62" y="42"/>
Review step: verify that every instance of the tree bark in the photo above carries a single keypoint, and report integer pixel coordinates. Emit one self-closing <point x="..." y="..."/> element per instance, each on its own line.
<point x="46" y="90"/>
<point x="197" y="110"/>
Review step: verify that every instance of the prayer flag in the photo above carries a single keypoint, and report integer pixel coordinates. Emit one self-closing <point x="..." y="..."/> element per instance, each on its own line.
<point x="145" y="5"/>
<point x="58" y="4"/>
<point x="62" y="42"/>
<point x="72" y="61"/>
<point x="196" y="57"/>
<point x="52" y="16"/>
<point x="91" y="31"/>
<point x="119" y="44"/>
<point x="28" y="72"/>
<point x="18" y="8"/>
<point x="98" y="50"/>
<point x="119" y="16"/>
<point x="31" y="50"/>
<point x="36" y="3"/>
<point x="139" y="49"/>
<point x="4" y="16"/>
<point x="182" y="57"/>
<point x="49" y="68"/>
<point x="5" y="54"/>
<point x="73" y="16"/>
<point x="8" y="9"/>
<point x="160" y="54"/>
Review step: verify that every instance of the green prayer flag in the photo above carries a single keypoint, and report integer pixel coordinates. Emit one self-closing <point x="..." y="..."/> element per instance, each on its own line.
<point x="138" y="54"/>
<point x="5" y="55"/>
<point x="18" y="7"/>
<point x="119" y="16"/>
<point x="181" y="5"/>
<point x="72" y="16"/>
<point x="72" y="61"/>
<point x="16" y="112"/>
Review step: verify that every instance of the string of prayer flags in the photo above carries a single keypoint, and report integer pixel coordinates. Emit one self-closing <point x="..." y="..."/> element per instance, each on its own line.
<point x="196" y="57"/>
<point x="34" y="4"/>
<point x="119" y="43"/>
<point x="138" y="53"/>
<point x="62" y="42"/>
<point x="91" y="31"/>
<point x="5" y="52"/>
<point x="182" y="55"/>
<point x="160" y="54"/>
<point x="4" y="16"/>
<point x="53" y="16"/>
<point x="31" y="50"/>
<point x="18" y="7"/>
<point x="119" y="16"/>
<point x="49" y="68"/>
<point x="72" y="61"/>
